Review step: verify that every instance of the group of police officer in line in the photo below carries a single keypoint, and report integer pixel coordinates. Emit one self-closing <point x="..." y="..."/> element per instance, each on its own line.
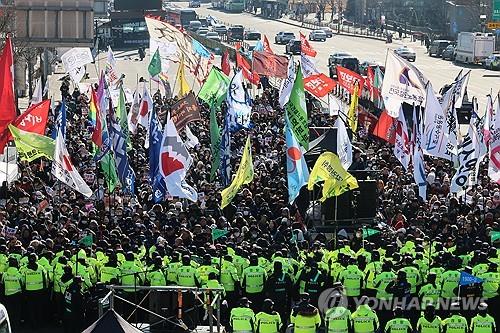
<point x="280" y="277"/>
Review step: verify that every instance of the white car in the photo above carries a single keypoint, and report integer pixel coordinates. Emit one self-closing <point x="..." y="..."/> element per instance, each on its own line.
<point x="317" y="35"/>
<point x="406" y="53"/>
<point x="213" y="36"/>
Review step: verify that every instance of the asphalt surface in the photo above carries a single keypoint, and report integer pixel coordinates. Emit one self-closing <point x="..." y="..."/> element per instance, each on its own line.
<point x="438" y="71"/>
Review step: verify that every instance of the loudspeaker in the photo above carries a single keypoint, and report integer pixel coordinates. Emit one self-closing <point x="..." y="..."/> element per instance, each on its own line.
<point x="358" y="204"/>
<point x="464" y="113"/>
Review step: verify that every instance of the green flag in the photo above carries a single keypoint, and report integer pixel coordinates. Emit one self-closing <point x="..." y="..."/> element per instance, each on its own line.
<point x="495" y="235"/>
<point x="155" y="64"/>
<point x="108" y="167"/>
<point x="86" y="241"/>
<point x="367" y="232"/>
<point x="121" y="114"/>
<point x="214" y="89"/>
<point x="296" y="111"/>
<point x="218" y="233"/>
<point x="31" y="146"/>
<point x="215" y="143"/>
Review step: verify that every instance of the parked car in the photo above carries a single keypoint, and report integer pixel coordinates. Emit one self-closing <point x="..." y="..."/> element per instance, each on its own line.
<point x="449" y="53"/>
<point x="213" y="36"/>
<point x="492" y="62"/>
<point x="194" y="25"/>
<point x="284" y="37"/>
<point x="438" y="46"/>
<point x="194" y="4"/>
<point x="317" y="35"/>
<point x="220" y="29"/>
<point x="332" y="57"/>
<point x="406" y="53"/>
<point x="328" y="32"/>
<point x="349" y="62"/>
<point x="235" y="33"/>
<point x="363" y="67"/>
<point x="293" y="47"/>
<point x="252" y="35"/>
<point x="202" y="32"/>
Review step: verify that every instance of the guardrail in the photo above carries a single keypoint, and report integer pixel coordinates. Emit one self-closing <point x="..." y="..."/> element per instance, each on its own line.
<point x="354" y="29"/>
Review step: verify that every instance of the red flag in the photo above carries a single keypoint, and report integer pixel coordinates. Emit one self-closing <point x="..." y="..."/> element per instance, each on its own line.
<point x="348" y="79"/>
<point x="267" y="46"/>
<point x="269" y="64"/>
<point x="33" y="120"/>
<point x="7" y="101"/>
<point x="367" y="120"/>
<point x="225" y="64"/>
<point x="305" y="47"/>
<point x="370" y="79"/>
<point x="242" y="63"/>
<point x="319" y="85"/>
<point x="386" y="128"/>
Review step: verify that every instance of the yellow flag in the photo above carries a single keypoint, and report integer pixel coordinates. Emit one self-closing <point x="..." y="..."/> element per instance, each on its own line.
<point x="244" y="175"/>
<point x="353" y="109"/>
<point x="328" y="168"/>
<point x="181" y="78"/>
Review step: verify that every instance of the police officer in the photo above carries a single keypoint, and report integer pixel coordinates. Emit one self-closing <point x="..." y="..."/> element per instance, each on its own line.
<point x="312" y="281"/>
<point x="364" y="319"/>
<point x="305" y="317"/>
<point x="278" y="288"/>
<point x="130" y="273"/>
<point x="352" y="278"/>
<point x="429" y="322"/>
<point x="455" y="323"/>
<point x="12" y="282"/>
<point x="399" y="324"/>
<point x="449" y="281"/>
<point x="337" y="317"/>
<point x="253" y="281"/>
<point x="483" y="322"/>
<point x="242" y="318"/>
<point x="187" y="275"/>
<point x="156" y="276"/>
<point x="172" y="267"/>
<point x="110" y="273"/>
<point x="268" y="320"/>
<point x="429" y="293"/>
<point x="35" y="280"/>
<point x="205" y="269"/>
<point x="230" y="280"/>
<point x="74" y="314"/>
<point x="491" y="285"/>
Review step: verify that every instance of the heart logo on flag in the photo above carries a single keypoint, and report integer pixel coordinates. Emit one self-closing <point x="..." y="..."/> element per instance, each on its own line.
<point x="169" y="164"/>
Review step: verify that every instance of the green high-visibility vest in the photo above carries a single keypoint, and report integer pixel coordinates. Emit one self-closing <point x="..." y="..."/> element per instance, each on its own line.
<point x="267" y="323"/>
<point x="429" y="294"/>
<point x="398" y="325"/>
<point x="364" y="320"/>
<point x="228" y="276"/>
<point x="425" y="326"/>
<point x="186" y="276"/>
<point x="449" y="283"/>
<point x="35" y="278"/>
<point x="12" y="280"/>
<point x="480" y="324"/>
<point x="337" y="320"/>
<point x="491" y="282"/>
<point x="242" y="319"/>
<point x="455" y="324"/>
<point x="254" y="276"/>
<point x="352" y="279"/>
<point x="157" y="278"/>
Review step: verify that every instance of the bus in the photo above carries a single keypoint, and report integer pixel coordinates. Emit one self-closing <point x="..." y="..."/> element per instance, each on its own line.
<point x="234" y="6"/>
<point x="181" y="17"/>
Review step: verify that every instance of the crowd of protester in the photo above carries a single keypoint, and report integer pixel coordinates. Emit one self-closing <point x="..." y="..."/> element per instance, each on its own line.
<point x="270" y="262"/>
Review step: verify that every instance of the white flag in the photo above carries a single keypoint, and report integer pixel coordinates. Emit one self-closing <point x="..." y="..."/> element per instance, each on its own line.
<point x="192" y="140"/>
<point x="334" y="105"/>
<point x="287" y="83"/>
<point x="459" y="89"/>
<point x="494" y="144"/>
<point x="308" y="66"/>
<point x="111" y="72"/>
<point x="77" y="74"/>
<point x="435" y="140"/>
<point x="133" y="115"/>
<point x="76" y="58"/>
<point x="418" y="155"/>
<point x="238" y="102"/>
<point x="402" y="142"/>
<point x="63" y="169"/>
<point x="344" y="146"/>
<point x="468" y="157"/>
<point x="145" y="109"/>
<point x="37" y="93"/>
<point x="175" y="160"/>
<point x="403" y="82"/>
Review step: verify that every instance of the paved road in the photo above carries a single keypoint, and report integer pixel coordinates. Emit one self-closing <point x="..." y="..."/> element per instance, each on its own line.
<point x="438" y="71"/>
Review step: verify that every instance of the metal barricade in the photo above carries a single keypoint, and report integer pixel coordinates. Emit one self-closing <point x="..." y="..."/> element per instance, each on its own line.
<point x="211" y="303"/>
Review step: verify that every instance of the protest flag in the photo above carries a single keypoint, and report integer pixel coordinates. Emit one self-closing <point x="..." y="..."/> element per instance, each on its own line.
<point x="214" y="90"/>
<point x="218" y="233"/>
<point x="367" y="232"/>
<point x="353" y="109"/>
<point x="215" y="144"/>
<point x="181" y="79"/>
<point x="225" y="64"/>
<point x="305" y="47"/>
<point x="86" y="241"/>
<point x="495" y="235"/>
<point x="7" y="100"/>
<point x="386" y="127"/>
<point x="31" y="146"/>
<point x="154" y="67"/>
<point x="296" y="111"/>
<point x="297" y="171"/>
<point x="467" y="279"/>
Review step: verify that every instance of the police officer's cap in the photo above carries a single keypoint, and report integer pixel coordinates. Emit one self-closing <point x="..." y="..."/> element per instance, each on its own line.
<point x="245" y="301"/>
<point x="268" y="303"/>
<point x="483" y="306"/>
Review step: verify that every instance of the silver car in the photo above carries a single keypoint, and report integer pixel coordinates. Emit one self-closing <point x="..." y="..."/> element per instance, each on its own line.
<point x="317" y="35"/>
<point x="406" y="53"/>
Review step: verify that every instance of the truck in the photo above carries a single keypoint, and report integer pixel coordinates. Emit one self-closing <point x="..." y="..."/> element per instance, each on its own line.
<point x="474" y="47"/>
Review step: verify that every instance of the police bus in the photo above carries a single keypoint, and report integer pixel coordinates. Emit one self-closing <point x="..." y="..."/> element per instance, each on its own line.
<point x="182" y="17"/>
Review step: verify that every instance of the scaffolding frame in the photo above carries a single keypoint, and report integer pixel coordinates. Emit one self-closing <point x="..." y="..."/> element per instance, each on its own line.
<point x="111" y="296"/>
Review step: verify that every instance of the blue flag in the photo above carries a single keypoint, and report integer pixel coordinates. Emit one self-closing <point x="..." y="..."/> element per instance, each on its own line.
<point x="155" y="177"/>
<point x="296" y="167"/>
<point x="60" y="121"/>
<point x="125" y="172"/>
<point x="466" y="279"/>
<point x="225" y="152"/>
<point x="201" y="50"/>
<point x="259" y="46"/>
